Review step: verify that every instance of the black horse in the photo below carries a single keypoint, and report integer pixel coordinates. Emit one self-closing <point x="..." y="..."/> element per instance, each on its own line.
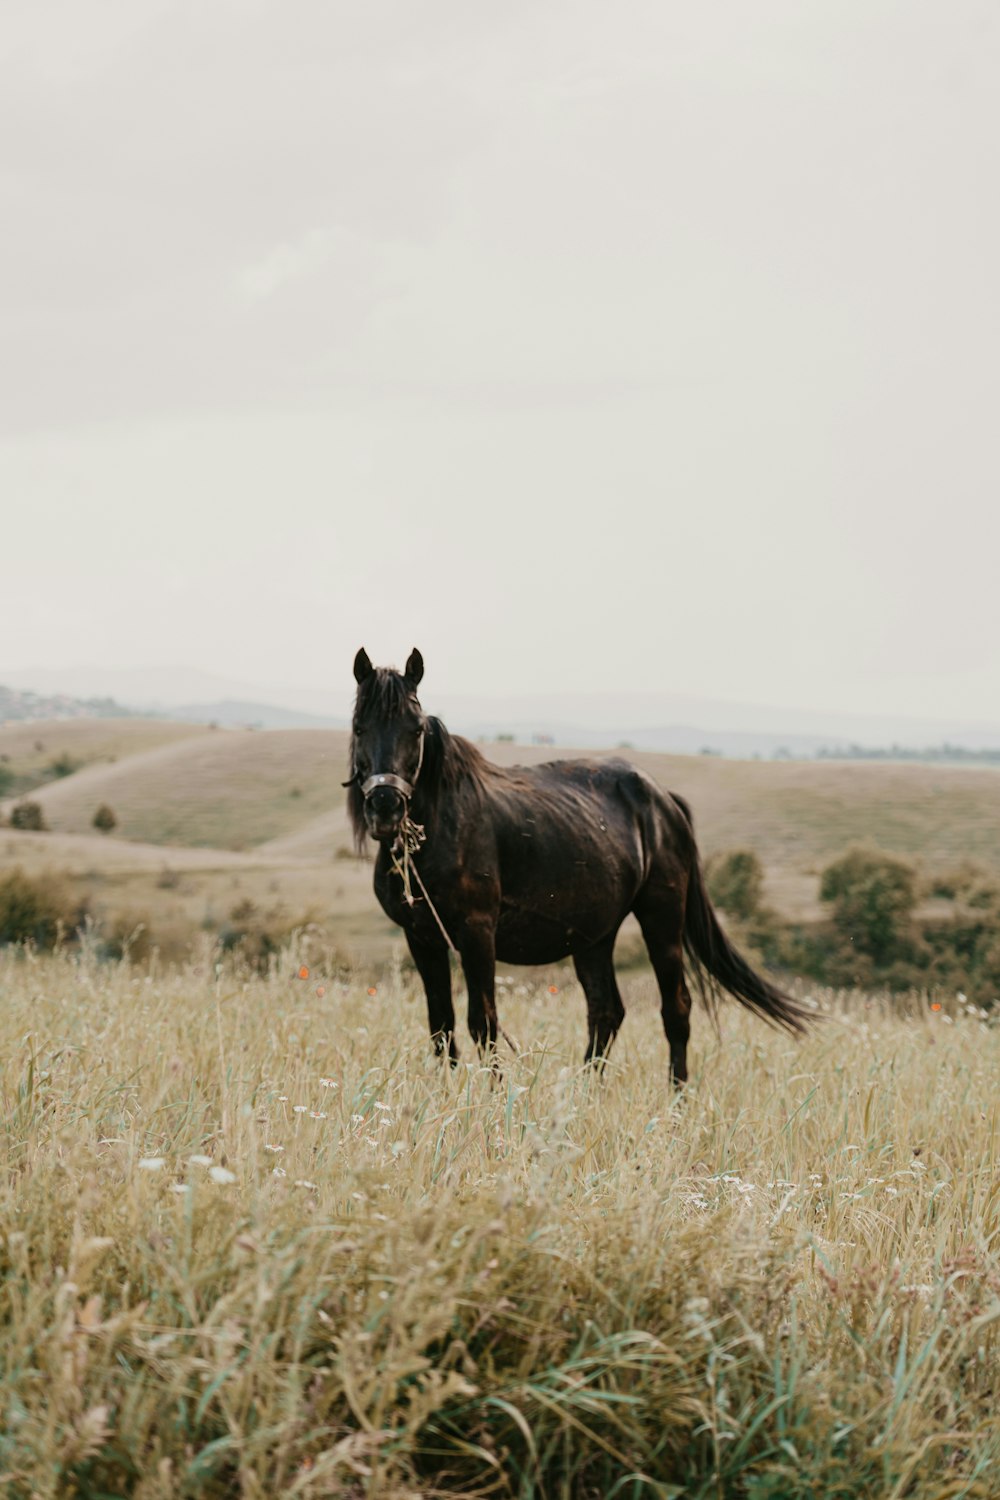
<point x="532" y="865"/>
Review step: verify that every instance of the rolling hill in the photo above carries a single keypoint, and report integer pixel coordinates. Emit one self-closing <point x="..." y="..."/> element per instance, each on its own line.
<point x="207" y="819"/>
<point x="226" y="789"/>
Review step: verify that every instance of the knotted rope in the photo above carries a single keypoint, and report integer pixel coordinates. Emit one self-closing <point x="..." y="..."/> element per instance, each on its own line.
<point x="408" y="841"/>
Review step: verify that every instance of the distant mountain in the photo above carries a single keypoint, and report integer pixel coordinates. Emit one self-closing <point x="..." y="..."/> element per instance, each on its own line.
<point x="231" y="713"/>
<point x="161" y="688"/>
<point x="18" y="705"/>
<point x="657" y="720"/>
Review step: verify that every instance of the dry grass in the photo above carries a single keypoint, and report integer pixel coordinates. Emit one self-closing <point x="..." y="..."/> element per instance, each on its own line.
<point x="255" y="1241"/>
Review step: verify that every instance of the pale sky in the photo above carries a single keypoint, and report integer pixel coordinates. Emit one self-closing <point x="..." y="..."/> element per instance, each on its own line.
<point x="588" y="347"/>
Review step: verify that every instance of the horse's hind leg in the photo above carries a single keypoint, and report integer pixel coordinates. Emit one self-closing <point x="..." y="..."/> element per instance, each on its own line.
<point x="661" y="918"/>
<point x="605" y="1011"/>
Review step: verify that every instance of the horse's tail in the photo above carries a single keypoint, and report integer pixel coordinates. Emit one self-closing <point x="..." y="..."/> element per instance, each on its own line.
<point x="718" y="964"/>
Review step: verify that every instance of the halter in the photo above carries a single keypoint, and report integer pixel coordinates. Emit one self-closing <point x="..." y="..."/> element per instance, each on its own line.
<point x="386" y="778"/>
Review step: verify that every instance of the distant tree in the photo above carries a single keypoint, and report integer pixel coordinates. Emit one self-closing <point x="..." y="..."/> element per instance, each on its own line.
<point x="35" y="910"/>
<point x="6" y="780"/>
<point x="28" y="816"/>
<point x="63" y="765"/>
<point x="873" y="897"/>
<point x="104" y="818"/>
<point x="736" y="882"/>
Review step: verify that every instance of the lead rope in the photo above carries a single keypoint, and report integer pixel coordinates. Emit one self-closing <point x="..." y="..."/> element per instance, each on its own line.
<point x="411" y="836"/>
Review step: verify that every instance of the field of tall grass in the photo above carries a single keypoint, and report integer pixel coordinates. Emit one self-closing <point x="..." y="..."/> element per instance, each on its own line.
<point x="256" y="1241"/>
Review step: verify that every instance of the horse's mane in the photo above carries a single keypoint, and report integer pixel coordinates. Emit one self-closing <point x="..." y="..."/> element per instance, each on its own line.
<point x="461" y="760"/>
<point x="448" y="758"/>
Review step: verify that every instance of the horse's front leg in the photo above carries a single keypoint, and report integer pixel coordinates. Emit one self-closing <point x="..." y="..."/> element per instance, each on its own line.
<point x="434" y="968"/>
<point x="477" y="949"/>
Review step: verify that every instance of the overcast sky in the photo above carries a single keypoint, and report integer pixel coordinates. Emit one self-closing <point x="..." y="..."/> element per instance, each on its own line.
<point x="589" y="347"/>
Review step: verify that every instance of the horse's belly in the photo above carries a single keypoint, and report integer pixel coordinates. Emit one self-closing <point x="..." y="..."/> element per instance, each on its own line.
<point x="530" y="938"/>
<point x="522" y="945"/>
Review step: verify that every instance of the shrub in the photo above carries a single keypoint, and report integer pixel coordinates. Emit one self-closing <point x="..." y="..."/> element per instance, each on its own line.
<point x="63" y="765"/>
<point x="872" y="896"/>
<point x="6" y="780"/>
<point x="736" y="882"/>
<point x="28" y="816"/>
<point x="36" y="910"/>
<point x="255" y="936"/>
<point x="126" y="935"/>
<point x="967" y="882"/>
<point x="104" y="818"/>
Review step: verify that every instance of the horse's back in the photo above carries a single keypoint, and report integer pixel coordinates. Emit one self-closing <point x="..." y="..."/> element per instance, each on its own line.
<point x="619" y="782"/>
<point x="595" y="815"/>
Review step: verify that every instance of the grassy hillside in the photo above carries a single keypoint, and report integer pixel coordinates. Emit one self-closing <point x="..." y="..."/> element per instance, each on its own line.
<point x="177" y="894"/>
<point x="264" y="814"/>
<point x="242" y="789"/>
<point x="228" y="789"/>
<point x="28" y="750"/>
<point x="256" y="1242"/>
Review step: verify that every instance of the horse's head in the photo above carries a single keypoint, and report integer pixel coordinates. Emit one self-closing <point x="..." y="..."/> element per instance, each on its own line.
<point x="387" y="744"/>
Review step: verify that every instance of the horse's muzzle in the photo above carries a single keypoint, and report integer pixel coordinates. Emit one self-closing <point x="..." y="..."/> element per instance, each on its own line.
<point x="384" y="810"/>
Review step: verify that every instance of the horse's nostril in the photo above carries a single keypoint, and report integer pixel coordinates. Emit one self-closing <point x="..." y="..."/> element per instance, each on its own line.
<point x="384" y="810"/>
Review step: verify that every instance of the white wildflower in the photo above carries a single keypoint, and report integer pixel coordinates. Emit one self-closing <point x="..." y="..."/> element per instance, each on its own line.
<point x="221" y="1175"/>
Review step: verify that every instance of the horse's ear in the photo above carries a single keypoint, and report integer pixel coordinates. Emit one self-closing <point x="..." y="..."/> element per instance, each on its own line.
<point x="414" y="669"/>
<point x="362" y="666"/>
